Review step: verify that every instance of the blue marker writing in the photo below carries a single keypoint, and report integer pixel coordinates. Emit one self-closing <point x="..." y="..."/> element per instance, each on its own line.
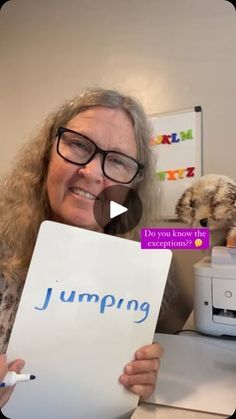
<point x="12" y="378"/>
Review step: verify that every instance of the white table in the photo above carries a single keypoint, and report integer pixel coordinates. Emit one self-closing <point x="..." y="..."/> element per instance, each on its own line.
<point x="148" y="411"/>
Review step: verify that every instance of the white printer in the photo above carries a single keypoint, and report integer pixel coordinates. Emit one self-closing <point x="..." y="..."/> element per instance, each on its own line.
<point x="215" y="293"/>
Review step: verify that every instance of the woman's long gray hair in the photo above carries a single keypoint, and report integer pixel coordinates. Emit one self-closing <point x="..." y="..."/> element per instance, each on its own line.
<point x="24" y="202"/>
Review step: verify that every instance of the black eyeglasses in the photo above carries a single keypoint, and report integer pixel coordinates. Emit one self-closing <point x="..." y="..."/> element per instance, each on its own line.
<point x="78" y="149"/>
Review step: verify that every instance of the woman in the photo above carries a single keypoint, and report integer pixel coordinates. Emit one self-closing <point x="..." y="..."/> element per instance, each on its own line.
<point x="97" y="140"/>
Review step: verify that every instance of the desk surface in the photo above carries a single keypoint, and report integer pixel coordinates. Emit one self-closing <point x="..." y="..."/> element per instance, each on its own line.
<point x="148" y="411"/>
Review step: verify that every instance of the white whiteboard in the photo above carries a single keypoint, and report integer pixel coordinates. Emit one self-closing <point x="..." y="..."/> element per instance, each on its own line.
<point x="176" y="141"/>
<point x="96" y="314"/>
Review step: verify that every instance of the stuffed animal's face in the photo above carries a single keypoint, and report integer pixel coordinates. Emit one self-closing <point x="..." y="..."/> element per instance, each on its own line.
<point x="209" y="202"/>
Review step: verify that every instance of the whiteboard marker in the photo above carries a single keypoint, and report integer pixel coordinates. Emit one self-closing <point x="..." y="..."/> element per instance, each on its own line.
<point x="12" y="378"/>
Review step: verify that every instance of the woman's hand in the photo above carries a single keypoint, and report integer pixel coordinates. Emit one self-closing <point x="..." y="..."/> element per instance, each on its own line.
<point x="140" y="375"/>
<point x="16" y="366"/>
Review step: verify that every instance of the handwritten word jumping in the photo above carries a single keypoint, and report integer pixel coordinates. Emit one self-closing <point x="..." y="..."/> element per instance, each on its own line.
<point x="105" y="302"/>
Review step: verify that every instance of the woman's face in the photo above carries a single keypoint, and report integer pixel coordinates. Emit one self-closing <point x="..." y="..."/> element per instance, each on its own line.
<point x="110" y="129"/>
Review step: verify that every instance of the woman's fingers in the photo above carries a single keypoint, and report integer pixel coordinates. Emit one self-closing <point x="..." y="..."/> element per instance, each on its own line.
<point x="155" y="350"/>
<point x="144" y="392"/>
<point x="3" y="366"/>
<point x="140" y="375"/>
<point x="137" y="367"/>
<point x="16" y="366"/>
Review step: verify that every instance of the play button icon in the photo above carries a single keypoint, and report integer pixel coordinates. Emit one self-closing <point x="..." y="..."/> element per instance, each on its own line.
<point x="118" y="209"/>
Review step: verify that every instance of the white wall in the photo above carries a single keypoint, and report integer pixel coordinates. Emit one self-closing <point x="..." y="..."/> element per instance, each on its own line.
<point x="171" y="54"/>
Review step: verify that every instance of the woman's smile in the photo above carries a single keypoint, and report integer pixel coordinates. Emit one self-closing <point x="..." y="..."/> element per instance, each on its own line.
<point x="72" y="190"/>
<point x="81" y="192"/>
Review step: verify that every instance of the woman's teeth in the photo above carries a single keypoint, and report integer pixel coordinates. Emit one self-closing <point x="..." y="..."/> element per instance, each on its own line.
<point x="80" y="192"/>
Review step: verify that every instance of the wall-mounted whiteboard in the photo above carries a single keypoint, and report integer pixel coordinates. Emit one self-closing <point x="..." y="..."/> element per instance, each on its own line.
<point x="176" y="141"/>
